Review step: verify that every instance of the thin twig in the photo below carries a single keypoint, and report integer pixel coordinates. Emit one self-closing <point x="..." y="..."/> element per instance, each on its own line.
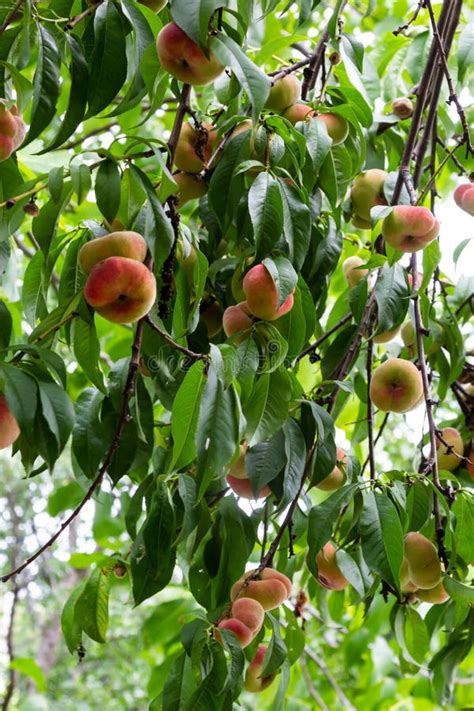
<point x="73" y="21"/>
<point x="11" y="16"/>
<point x="370" y="408"/>
<point x="315" y="345"/>
<point x="166" y="337"/>
<point x="10" y="651"/>
<point x="404" y="27"/>
<point x="310" y="686"/>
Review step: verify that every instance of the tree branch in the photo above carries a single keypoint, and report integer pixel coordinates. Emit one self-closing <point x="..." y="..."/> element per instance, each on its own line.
<point x="370" y="409"/>
<point x="166" y="337"/>
<point x="10" y="688"/>
<point x="314" y="346"/>
<point x="11" y="16"/>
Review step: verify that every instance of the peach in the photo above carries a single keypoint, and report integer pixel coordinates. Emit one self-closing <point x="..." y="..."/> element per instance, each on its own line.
<point x="116" y="244"/>
<point x="422" y="559"/>
<point x="450" y="461"/>
<point x="337" y="477"/>
<point x="241" y="631"/>
<point x="405" y="583"/>
<point x="8" y="132"/>
<point x="243" y="487"/>
<point x="284" y="93"/>
<point x="194" y="148"/>
<point x="120" y="289"/>
<point x="20" y="127"/>
<point x="464" y="197"/>
<point x="436" y="595"/>
<point x="189" y="188"/>
<point x="237" y="320"/>
<point x="337" y="127"/>
<point x="298" y="112"/>
<point x="184" y="59"/>
<point x="351" y="271"/>
<point x="9" y="429"/>
<point x="262" y="296"/>
<point x="253" y="680"/>
<point x="396" y="386"/>
<point x="386" y="336"/>
<point x="329" y="574"/>
<point x="403" y="108"/>
<point x="211" y="316"/>
<point x="409" y="228"/>
<point x="154" y="5"/>
<point x="367" y="192"/>
<point x="270" y="588"/>
<point x="250" y="612"/>
<point x="408" y="334"/>
<point x="238" y="469"/>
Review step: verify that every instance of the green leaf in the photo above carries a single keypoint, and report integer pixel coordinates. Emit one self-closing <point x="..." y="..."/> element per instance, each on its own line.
<point x="33" y="291"/>
<point x="81" y="181"/>
<point x="264" y="461"/>
<point x="108" y="62"/>
<point x="23" y="87"/>
<point x="193" y="18"/>
<point x="87" y="351"/>
<point x="250" y="77"/>
<point x="296" y="223"/>
<point x="45" y="84"/>
<point x="431" y="259"/>
<point x="107" y="189"/>
<point x="21" y="394"/>
<point x="283" y="274"/>
<point x="266" y="212"/>
<point x="92" y="606"/>
<point x="70" y="624"/>
<point x="458" y="590"/>
<point x="382" y="537"/>
<point x="64" y="498"/>
<point x="268" y="406"/>
<point x="465" y="51"/>
<point x="392" y="296"/>
<point x="184" y="416"/>
<point x="418" y="506"/>
<point x="6" y="323"/>
<point x="88" y="438"/>
<point x="58" y="411"/>
<point x="295" y="450"/>
<point x="45" y="225"/>
<point x="463" y="510"/>
<point x="29" y="667"/>
<point x="276" y="652"/>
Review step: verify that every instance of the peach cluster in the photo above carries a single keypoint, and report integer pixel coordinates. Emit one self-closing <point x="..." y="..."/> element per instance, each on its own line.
<point x="464" y="197"/>
<point x="420" y="572"/>
<point x="119" y="286"/>
<point x="12" y="131"/>
<point x="9" y="430"/>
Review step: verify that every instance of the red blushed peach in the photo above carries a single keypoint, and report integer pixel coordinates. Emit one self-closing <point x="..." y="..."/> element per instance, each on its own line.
<point x="396" y="386"/>
<point x="241" y="631"/>
<point x="284" y="93"/>
<point x="237" y="320"/>
<point x="194" y="148"/>
<point x="367" y="192"/>
<point x="116" y="244"/>
<point x="20" y="128"/>
<point x="336" y="126"/>
<point x="351" y="271"/>
<point x="254" y="682"/>
<point x="450" y="461"/>
<point x="409" y="228"/>
<point x="464" y="197"/>
<point x="337" y="477"/>
<point x="422" y="559"/>
<point x="262" y="296"/>
<point x="270" y="588"/>
<point x="298" y="112"/>
<point x="189" y="188"/>
<point x="243" y="487"/>
<point x="329" y="574"/>
<point x="184" y="59"/>
<point x="9" y="429"/>
<point x="436" y="595"/>
<point x="250" y="612"/>
<point x="121" y="290"/>
<point x="8" y="132"/>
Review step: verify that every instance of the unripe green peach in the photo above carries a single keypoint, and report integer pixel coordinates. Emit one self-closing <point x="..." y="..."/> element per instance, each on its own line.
<point x="284" y="93"/>
<point x="262" y="296"/>
<point x="337" y="127"/>
<point x="464" y="197"/>
<point x="270" y="588"/>
<point x="408" y="334"/>
<point x="329" y="574"/>
<point x="403" y="108"/>
<point x="154" y="5"/>
<point x="446" y="461"/>
<point x="237" y="320"/>
<point x="406" y="584"/>
<point x="337" y="477"/>
<point x="367" y="192"/>
<point x="194" y="148"/>
<point x="116" y="244"/>
<point x="396" y="386"/>
<point x="410" y="228"/>
<point x="254" y="682"/>
<point x="184" y="59"/>
<point x="351" y="271"/>
<point x="436" y="595"/>
<point x="189" y="188"/>
<point x="298" y="112"/>
<point x="386" y="336"/>
<point x="9" y="429"/>
<point x="423" y="562"/>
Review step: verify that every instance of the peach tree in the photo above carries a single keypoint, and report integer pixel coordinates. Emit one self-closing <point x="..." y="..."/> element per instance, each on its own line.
<point x="225" y="312"/>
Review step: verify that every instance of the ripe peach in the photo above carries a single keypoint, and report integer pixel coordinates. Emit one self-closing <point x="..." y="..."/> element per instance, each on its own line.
<point x="329" y="574"/>
<point x="194" y="148"/>
<point x="9" y="429"/>
<point x="351" y="272"/>
<point x="237" y="320"/>
<point x="154" y="5"/>
<point x="423" y="563"/>
<point x="243" y="487"/>
<point x="184" y="59"/>
<point x="253" y="680"/>
<point x="250" y="612"/>
<point x="408" y="334"/>
<point x="298" y="112"/>
<point x="262" y="296"/>
<point x="446" y="461"/>
<point x="284" y="93"/>
<point x="120" y="289"/>
<point x="436" y="595"/>
<point x="409" y="229"/>
<point x="386" y="336"/>
<point x="337" y="477"/>
<point x="464" y="197"/>
<point x="270" y="588"/>
<point x="20" y="127"/>
<point x="403" y="108"/>
<point x="116" y="244"/>
<point x="241" y="631"/>
<point x="396" y="386"/>
<point x="367" y="192"/>
<point x="8" y="132"/>
<point x="189" y="188"/>
<point x="211" y="315"/>
<point x="337" y="127"/>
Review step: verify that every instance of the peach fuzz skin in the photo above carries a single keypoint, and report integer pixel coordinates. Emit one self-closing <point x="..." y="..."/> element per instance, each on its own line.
<point x="270" y="588"/>
<point x="116" y="244"/>
<point x="298" y="112"/>
<point x="351" y="271"/>
<point x="284" y="93"/>
<point x="409" y="229"/>
<point x="337" y="127"/>
<point x="243" y="487"/>
<point x="254" y="682"/>
<point x="262" y="296"/>
<point x="396" y="386"/>
<point x="184" y="59"/>
<point x="464" y="197"/>
<point x="189" y="188"/>
<point x="12" y="131"/>
<point x="450" y="461"/>
<point x="422" y="561"/>
<point x="329" y="574"/>
<point x="9" y="430"/>
<point x="121" y="290"/>
<point x="245" y="621"/>
<point x="237" y="320"/>
<point x="367" y="192"/>
<point x="186" y="158"/>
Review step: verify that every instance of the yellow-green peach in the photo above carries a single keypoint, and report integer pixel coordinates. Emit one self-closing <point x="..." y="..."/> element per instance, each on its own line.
<point x="254" y="682"/>
<point x="337" y="477"/>
<point x="410" y="228"/>
<point x="367" y="192"/>
<point x="449" y="461"/>
<point x="423" y="562"/>
<point x="116" y="244"/>
<point x="396" y="386"/>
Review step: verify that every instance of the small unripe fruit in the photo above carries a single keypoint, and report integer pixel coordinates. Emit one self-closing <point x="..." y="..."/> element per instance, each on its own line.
<point x="298" y="112"/>
<point x="254" y="682"/>
<point x="351" y="272"/>
<point x="116" y="244"/>
<point x="367" y="192"/>
<point x="386" y="336"/>
<point x="422" y="560"/>
<point x="237" y="320"/>
<point x="184" y="59"/>
<point x="189" y="188"/>
<point x="284" y="93"/>
<point x="403" y="108"/>
<point x="408" y="334"/>
<point x="335" y="58"/>
<point x="31" y="209"/>
<point x="337" y="477"/>
<point x="337" y="127"/>
<point x="446" y="461"/>
<point x="9" y="429"/>
<point x="436" y="595"/>
<point x="262" y="296"/>
<point x="270" y="588"/>
<point x="409" y="229"/>
<point x="329" y="574"/>
<point x="396" y="386"/>
<point x="464" y="197"/>
<point x="120" y="570"/>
